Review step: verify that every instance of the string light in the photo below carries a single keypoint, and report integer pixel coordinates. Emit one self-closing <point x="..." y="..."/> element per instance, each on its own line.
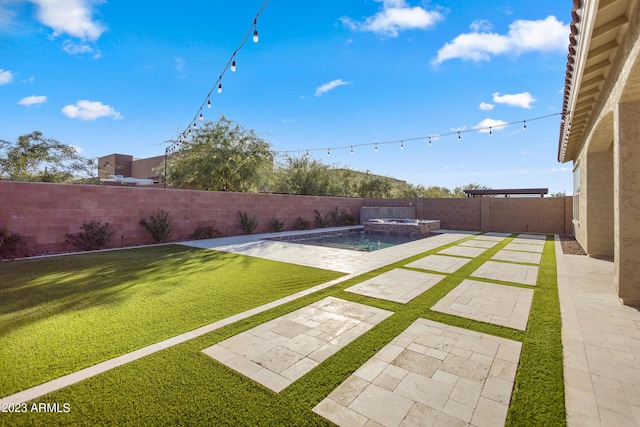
<point x="201" y="117"/>
<point x="402" y="145"/>
<point x="328" y="152"/>
<point x="458" y="133"/>
<point x="255" y="32"/>
<point x="524" y="127"/>
<point x="231" y="64"/>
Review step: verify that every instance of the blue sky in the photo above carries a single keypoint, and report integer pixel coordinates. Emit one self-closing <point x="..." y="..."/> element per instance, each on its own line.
<point x="124" y="77"/>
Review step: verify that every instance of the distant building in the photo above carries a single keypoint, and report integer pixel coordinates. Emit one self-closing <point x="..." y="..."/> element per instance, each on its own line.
<point x="128" y="167"/>
<point x="600" y="133"/>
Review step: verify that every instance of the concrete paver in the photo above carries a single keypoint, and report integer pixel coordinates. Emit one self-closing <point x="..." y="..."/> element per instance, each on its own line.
<point x="280" y="351"/>
<point x="463" y="251"/>
<point x="517" y="256"/>
<point x="525" y="247"/>
<point x="430" y="374"/>
<point x="441" y="263"/>
<point x="479" y="243"/>
<point x="601" y="345"/>
<point x="507" y="272"/>
<point x="397" y="285"/>
<point x="488" y="302"/>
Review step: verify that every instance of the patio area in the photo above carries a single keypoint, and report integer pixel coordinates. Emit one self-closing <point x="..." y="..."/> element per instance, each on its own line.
<point x="430" y="371"/>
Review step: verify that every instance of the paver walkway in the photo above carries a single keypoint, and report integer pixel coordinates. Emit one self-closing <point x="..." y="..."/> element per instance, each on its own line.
<point x="280" y="351"/>
<point x="601" y="343"/>
<point x="430" y="374"/>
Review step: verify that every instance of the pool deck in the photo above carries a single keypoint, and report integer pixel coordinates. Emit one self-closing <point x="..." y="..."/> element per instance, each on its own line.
<point x="420" y="371"/>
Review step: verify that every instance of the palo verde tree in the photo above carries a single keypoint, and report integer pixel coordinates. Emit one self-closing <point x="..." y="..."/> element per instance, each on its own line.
<point x="220" y="156"/>
<point x="37" y="159"/>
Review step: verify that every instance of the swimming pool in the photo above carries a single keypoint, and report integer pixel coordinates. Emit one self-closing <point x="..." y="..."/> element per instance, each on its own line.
<point x="354" y="240"/>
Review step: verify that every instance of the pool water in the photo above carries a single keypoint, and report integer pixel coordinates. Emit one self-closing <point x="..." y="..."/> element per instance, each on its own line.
<point x="355" y="241"/>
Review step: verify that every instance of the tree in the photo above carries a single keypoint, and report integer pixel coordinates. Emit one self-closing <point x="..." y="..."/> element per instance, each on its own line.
<point x="459" y="191"/>
<point x="304" y="176"/>
<point x="558" y="194"/>
<point x="37" y="159"/>
<point x="220" y="156"/>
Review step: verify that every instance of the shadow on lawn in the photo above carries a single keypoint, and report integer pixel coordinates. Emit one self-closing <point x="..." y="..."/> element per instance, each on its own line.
<point x="33" y="290"/>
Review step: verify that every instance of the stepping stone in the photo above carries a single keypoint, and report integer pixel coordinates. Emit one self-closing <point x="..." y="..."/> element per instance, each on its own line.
<point x="444" y="264"/>
<point x="278" y="352"/>
<point x="396" y="285"/>
<point x="506" y="272"/>
<point x="488" y="302"/>
<point x="514" y="246"/>
<point x="430" y="374"/>
<point x="479" y="243"/>
<point x="517" y="256"/>
<point x="496" y="234"/>
<point x="542" y="237"/>
<point x="522" y="241"/>
<point x="464" y="251"/>
<point x="490" y="238"/>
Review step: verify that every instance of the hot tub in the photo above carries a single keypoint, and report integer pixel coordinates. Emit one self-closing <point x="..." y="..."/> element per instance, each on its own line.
<point x="402" y="226"/>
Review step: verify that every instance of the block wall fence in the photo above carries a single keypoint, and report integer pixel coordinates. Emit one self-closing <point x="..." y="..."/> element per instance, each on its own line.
<point x="43" y="213"/>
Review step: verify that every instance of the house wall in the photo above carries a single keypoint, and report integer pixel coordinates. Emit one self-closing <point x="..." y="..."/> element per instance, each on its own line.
<point x="44" y="213"/>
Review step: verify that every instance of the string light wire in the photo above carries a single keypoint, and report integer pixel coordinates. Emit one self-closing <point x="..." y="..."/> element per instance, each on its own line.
<point x="420" y="138"/>
<point x="252" y="32"/>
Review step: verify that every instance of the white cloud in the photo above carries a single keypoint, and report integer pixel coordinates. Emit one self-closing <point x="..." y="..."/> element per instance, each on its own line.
<point x="524" y="36"/>
<point x="90" y="110"/>
<point x="523" y="100"/>
<point x="71" y="17"/>
<point x="76" y="148"/>
<point x="179" y="63"/>
<point x="80" y="49"/>
<point x="32" y="100"/>
<point x="488" y="125"/>
<point x="6" y="76"/>
<point x="480" y="25"/>
<point x="486" y="106"/>
<point x="330" y="86"/>
<point x="395" y="16"/>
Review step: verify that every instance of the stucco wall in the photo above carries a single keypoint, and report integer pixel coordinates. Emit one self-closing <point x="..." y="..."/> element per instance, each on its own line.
<point x="43" y="213"/>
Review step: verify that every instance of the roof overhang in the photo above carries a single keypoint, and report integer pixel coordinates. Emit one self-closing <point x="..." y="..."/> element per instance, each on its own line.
<point x="597" y="28"/>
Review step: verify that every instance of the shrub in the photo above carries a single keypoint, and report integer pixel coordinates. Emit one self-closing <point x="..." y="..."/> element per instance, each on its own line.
<point x="248" y="223"/>
<point x="321" y="221"/>
<point x="342" y="218"/>
<point x="301" y="224"/>
<point x="205" y="233"/>
<point x="12" y="245"/>
<point x="277" y="225"/>
<point x="94" y="237"/>
<point x="159" y="226"/>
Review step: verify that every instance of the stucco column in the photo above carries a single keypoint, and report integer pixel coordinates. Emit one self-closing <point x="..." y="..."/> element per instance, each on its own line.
<point x="599" y="204"/>
<point x="626" y="161"/>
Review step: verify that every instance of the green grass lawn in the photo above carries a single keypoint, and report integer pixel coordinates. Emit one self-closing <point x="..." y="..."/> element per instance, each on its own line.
<point x="183" y="386"/>
<point x="61" y="314"/>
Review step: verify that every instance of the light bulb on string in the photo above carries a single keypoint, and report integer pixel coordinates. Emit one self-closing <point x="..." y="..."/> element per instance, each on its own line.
<point x="402" y="145"/>
<point x="490" y="131"/>
<point x="351" y="150"/>
<point x="255" y="32"/>
<point x="195" y="125"/>
<point x="307" y="154"/>
<point x="328" y="152"/>
<point x="524" y="126"/>
<point x="376" y="148"/>
<point x="209" y="103"/>
<point x="429" y="141"/>
<point x="201" y="118"/>
<point x="220" y="88"/>
<point x="233" y="66"/>
<point x="459" y="137"/>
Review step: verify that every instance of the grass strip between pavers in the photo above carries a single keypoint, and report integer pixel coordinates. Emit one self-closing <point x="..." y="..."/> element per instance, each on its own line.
<point x="183" y="386"/>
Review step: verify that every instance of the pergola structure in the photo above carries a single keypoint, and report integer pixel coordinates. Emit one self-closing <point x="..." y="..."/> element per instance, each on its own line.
<point x="508" y="192"/>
